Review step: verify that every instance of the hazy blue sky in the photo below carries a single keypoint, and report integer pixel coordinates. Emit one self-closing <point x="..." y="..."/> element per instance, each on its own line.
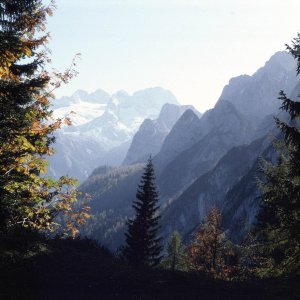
<point x="192" y="47"/>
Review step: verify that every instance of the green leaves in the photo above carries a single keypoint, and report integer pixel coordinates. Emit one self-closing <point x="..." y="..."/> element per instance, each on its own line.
<point x="27" y="199"/>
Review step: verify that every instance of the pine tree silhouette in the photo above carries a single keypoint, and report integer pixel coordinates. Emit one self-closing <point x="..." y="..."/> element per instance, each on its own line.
<point x="142" y="244"/>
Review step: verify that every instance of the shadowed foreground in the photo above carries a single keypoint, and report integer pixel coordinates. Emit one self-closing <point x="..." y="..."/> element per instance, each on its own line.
<point x="81" y="269"/>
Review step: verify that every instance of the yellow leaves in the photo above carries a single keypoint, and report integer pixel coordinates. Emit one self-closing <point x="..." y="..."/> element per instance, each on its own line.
<point x="36" y="127"/>
<point x="58" y="122"/>
<point x="68" y="121"/>
<point x="86" y="215"/>
<point x="42" y="99"/>
<point x="43" y="129"/>
<point x="27" y="51"/>
<point x="33" y="200"/>
<point x="39" y="199"/>
<point x="24" y="144"/>
<point x="39" y="128"/>
<point x="10" y="57"/>
<point x="24" y="157"/>
<point x="73" y="231"/>
<point x="6" y="61"/>
<point x="50" y="151"/>
<point x="74" y="218"/>
<point x="56" y="125"/>
<point x="4" y="72"/>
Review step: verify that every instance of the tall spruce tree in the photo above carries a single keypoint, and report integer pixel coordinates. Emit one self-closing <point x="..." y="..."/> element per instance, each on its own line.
<point x="279" y="218"/>
<point x="142" y="244"/>
<point x="28" y="199"/>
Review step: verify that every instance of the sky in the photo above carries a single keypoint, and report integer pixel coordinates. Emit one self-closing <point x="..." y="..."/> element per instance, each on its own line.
<point x="191" y="47"/>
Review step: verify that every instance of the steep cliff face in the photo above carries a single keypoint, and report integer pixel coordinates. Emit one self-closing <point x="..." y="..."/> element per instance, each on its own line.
<point x="226" y="128"/>
<point x="211" y="189"/>
<point x="181" y="137"/>
<point x="257" y="95"/>
<point x="241" y="115"/>
<point x="241" y="203"/>
<point x="149" y="138"/>
<point x="212" y="161"/>
<point x="147" y="141"/>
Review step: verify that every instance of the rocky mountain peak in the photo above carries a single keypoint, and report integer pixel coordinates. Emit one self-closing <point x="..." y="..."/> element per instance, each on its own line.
<point x="280" y="59"/>
<point x="257" y="95"/>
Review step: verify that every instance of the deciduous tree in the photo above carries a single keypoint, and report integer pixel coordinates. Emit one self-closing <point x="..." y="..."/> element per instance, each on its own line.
<point x="27" y="198"/>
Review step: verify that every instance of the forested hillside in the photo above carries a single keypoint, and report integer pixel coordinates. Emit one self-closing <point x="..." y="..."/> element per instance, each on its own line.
<point x="173" y="204"/>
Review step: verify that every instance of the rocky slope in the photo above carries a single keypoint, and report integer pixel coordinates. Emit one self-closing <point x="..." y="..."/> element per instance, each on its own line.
<point x="212" y="188"/>
<point x="205" y="162"/>
<point x="257" y="95"/>
<point x="152" y="133"/>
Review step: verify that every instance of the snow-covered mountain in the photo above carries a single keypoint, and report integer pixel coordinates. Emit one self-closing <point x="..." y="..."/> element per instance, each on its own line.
<point x="102" y="127"/>
<point x="81" y="107"/>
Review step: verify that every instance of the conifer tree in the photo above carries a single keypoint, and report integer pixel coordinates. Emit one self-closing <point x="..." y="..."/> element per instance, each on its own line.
<point x="175" y="258"/>
<point x="142" y="244"/>
<point x="27" y="198"/>
<point x="279" y="218"/>
<point x="211" y="251"/>
<point x="206" y="251"/>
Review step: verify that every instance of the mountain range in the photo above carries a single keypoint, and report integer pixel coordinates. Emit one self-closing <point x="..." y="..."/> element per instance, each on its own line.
<point x="201" y="161"/>
<point x="102" y="127"/>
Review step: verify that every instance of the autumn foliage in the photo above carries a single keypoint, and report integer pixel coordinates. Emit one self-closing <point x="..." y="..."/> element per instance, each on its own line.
<point x="27" y="197"/>
<point x="211" y="252"/>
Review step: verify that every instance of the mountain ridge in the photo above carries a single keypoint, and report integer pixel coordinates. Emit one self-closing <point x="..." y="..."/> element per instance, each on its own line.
<point x="103" y="125"/>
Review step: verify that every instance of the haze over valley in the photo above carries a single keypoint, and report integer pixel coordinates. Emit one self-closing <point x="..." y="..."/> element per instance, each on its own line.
<point x="200" y="160"/>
